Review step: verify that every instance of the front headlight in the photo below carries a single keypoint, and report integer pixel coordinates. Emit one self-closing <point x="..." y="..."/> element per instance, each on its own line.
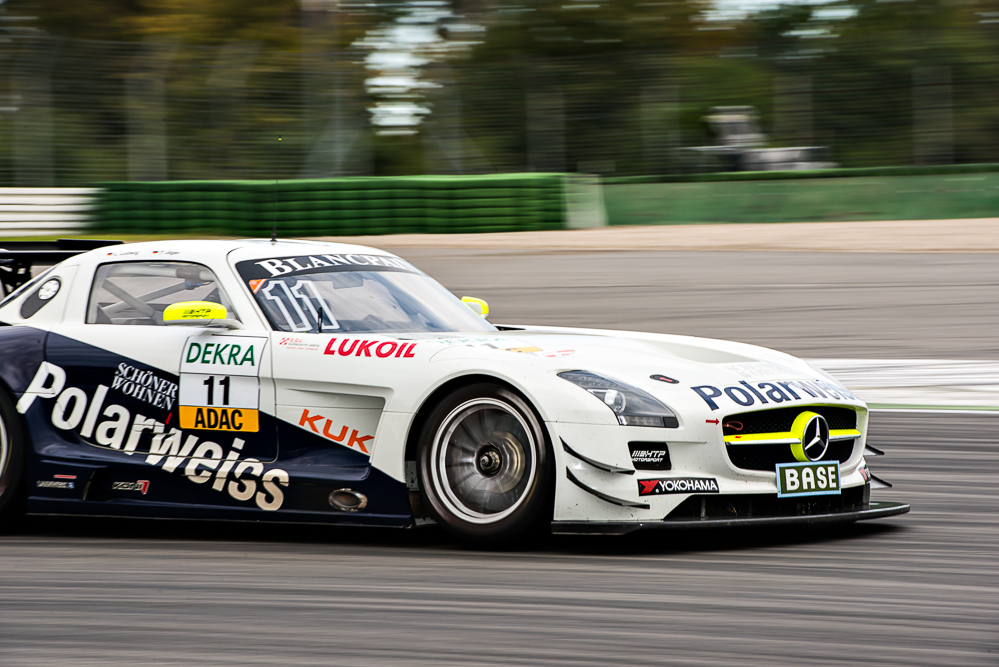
<point x="631" y="405"/>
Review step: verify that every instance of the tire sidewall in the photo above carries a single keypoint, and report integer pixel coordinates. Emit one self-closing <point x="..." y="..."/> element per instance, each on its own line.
<point x="535" y="510"/>
<point x="12" y="472"/>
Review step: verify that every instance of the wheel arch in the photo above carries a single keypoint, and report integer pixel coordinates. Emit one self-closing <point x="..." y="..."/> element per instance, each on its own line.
<point x="425" y="409"/>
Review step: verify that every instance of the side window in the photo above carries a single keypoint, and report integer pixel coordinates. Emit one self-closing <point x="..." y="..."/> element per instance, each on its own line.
<point x="138" y="292"/>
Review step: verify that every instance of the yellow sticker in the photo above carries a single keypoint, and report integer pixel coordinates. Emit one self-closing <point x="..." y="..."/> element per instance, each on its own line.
<point x="194" y="310"/>
<point x="244" y="420"/>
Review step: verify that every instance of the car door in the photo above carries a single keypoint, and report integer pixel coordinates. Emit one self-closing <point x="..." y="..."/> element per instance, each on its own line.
<point x="167" y="393"/>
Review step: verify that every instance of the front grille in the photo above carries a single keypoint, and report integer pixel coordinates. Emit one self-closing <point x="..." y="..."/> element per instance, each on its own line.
<point x="766" y="457"/>
<point x="744" y="506"/>
<point x="779" y="420"/>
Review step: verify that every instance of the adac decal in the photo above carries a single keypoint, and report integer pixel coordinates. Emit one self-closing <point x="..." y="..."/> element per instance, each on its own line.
<point x="353" y="440"/>
<point x="219" y="402"/>
<point x="173" y="450"/>
<point x="746" y="394"/>
<point x="355" y="347"/>
<point x="144" y="385"/>
<point x="207" y="418"/>
<point x="282" y="266"/>
<point x="142" y="486"/>
<point x="656" y="487"/>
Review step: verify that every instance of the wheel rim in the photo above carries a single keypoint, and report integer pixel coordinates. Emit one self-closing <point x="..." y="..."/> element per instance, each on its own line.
<point x="484" y="461"/>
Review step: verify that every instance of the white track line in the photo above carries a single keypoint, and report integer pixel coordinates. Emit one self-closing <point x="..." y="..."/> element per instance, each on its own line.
<point x="934" y="383"/>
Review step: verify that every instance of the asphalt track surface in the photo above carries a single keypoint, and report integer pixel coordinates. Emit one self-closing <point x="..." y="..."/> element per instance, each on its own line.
<point x="919" y="589"/>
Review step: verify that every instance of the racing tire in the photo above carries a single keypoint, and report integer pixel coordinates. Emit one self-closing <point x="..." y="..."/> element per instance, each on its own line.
<point x="486" y="468"/>
<point x="11" y="466"/>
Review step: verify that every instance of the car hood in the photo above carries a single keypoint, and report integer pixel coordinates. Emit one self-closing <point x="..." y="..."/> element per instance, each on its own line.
<point x="717" y="374"/>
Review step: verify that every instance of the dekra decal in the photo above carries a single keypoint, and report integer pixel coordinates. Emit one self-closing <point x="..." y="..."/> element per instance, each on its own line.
<point x="225" y="354"/>
<point x="114" y="426"/>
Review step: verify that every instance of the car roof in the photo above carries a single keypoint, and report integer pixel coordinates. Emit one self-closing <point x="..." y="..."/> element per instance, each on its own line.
<point x="222" y="249"/>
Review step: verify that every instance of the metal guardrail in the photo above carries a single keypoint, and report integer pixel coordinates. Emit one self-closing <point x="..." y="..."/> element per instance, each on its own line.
<point x="44" y="211"/>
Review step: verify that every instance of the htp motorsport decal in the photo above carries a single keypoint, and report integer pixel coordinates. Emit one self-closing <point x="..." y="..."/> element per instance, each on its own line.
<point x="746" y="393"/>
<point x="115" y="427"/>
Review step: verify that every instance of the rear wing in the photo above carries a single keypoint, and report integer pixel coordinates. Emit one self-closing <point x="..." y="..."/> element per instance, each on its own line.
<point x="17" y="257"/>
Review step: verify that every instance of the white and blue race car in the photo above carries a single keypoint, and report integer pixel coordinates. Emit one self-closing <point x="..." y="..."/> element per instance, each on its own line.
<point x="318" y="382"/>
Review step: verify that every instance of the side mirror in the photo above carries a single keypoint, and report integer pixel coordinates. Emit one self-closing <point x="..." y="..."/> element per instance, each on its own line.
<point x="478" y="306"/>
<point x="199" y="313"/>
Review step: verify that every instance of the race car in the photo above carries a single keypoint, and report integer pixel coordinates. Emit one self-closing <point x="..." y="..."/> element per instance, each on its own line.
<point x="330" y="383"/>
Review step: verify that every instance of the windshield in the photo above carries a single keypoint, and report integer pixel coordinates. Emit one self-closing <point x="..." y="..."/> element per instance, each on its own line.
<point x="354" y="294"/>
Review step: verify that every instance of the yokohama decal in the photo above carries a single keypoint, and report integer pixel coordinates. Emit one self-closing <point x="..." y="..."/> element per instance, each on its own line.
<point x="656" y="487"/>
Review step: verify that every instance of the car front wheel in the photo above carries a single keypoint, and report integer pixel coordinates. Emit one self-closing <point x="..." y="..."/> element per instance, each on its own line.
<point x="485" y="466"/>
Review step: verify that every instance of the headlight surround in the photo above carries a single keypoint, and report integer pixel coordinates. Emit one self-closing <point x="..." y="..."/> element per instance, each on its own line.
<point x="631" y="405"/>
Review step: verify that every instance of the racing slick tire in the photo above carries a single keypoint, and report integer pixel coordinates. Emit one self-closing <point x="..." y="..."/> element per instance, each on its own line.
<point x="11" y="466"/>
<point x="486" y="469"/>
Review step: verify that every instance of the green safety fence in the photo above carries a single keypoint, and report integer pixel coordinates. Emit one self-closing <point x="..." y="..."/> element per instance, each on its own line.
<point x="950" y="194"/>
<point x="349" y="206"/>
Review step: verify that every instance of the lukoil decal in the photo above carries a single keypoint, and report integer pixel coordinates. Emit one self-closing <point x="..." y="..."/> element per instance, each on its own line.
<point x="355" y="347"/>
<point x="355" y="439"/>
<point x="115" y="427"/>
<point x="145" y="386"/>
<point x="746" y="394"/>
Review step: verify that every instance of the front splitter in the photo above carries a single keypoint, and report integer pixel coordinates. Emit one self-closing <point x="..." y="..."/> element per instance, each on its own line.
<point x="874" y="511"/>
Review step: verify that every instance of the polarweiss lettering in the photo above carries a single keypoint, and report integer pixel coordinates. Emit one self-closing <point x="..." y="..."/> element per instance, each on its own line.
<point x="114" y="426"/>
<point x="746" y="394"/>
<point x="370" y="348"/>
<point x="145" y="386"/>
<point x="279" y="267"/>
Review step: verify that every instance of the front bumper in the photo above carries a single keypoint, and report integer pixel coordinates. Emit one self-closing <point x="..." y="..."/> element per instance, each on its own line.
<point x="874" y="510"/>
